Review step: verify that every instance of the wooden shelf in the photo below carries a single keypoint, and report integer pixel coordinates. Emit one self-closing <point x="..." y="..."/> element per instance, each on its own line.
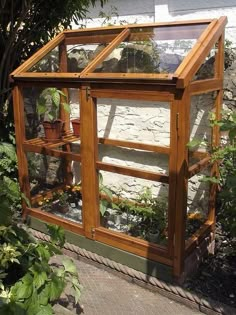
<point x="39" y="145"/>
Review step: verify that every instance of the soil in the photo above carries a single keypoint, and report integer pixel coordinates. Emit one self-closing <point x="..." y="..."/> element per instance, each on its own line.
<point x="216" y="276"/>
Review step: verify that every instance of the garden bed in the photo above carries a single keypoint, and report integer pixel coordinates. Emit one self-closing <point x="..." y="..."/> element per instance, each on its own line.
<point x="216" y="276"/>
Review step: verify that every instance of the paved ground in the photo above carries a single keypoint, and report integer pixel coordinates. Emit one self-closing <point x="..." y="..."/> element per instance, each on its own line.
<point x="105" y="293"/>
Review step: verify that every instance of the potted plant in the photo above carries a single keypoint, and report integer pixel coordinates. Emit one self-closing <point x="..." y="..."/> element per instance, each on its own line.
<point x="76" y="126"/>
<point x="60" y="202"/>
<point x="48" y="105"/>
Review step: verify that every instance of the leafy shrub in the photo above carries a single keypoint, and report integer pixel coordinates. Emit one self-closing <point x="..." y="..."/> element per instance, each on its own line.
<point x="227" y="156"/>
<point x="28" y="283"/>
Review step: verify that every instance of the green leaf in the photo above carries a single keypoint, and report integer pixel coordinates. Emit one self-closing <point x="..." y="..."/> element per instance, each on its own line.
<point x="232" y="134"/>
<point x="27" y="201"/>
<point x="66" y="107"/>
<point x="69" y="266"/>
<point x="211" y="179"/>
<point x="57" y="234"/>
<point x="9" y="150"/>
<point x="77" y="293"/>
<point x="43" y="295"/>
<point x="33" y="308"/>
<point x="102" y="208"/>
<point x="43" y="252"/>
<point x="41" y="108"/>
<point x="54" y="250"/>
<point x="45" y="310"/>
<point x="51" y="117"/>
<point x="40" y="276"/>
<point x="23" y="288"/>
<point x="56" y="98"/>
<point x="196" y="143"/>
<point x="107" y="192"/>
<point x="56" y="287"/>
<point x="5" y="213"/>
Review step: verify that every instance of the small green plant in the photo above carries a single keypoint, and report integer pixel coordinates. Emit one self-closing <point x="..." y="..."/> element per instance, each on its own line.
<point x="225" y="156"/>
<point x="150" y="213"/>
<point x="49" y="103"/>
<point x="61" y="197"/>
<point x="106" y="197"/>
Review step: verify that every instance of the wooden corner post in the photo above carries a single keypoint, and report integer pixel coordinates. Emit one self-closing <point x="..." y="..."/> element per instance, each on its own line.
<point x="182" y="103"/>
<point x="20" y="138"/>
<point x="89" y="153"/>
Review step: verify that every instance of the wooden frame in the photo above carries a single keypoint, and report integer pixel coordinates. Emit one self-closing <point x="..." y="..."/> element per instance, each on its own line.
<point x="175" y="88"/>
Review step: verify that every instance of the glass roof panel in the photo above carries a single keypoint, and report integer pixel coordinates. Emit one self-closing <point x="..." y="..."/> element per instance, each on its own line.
<point x="49" y="63"/>
<point x="152" y="49"/>
<point x="81" y="49"/>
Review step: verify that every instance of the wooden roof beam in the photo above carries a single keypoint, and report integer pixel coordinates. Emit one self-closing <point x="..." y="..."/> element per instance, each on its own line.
<point x="201" y="49"/>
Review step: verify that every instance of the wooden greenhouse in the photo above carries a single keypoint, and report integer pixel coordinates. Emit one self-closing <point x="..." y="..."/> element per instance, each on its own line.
<point x="132" y="177"/>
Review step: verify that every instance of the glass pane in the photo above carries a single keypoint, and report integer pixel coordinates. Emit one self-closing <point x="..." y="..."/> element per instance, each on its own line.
<point x="45" y="172"/>
<point x="198" y="202"/>
<point x="207" y="69"/>
<point x="200" y="130"/>
<point x="152" y="50"/>
<point x="79" y="56"/>
<point x="137" y="121"/>
<point x="134" y="206"/>
<point x="51" y="194"/>
<point x="49" y="63"/>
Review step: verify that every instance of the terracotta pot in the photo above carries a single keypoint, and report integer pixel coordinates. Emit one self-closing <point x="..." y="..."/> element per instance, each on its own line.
<point x="76" y="126"/>
<point x="53" y="130"/>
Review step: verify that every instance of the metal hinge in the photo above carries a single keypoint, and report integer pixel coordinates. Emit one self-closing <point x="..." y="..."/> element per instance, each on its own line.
<point x="88" y="93"/>
<point x="93" y="232"/>
<point x="177" y="121"/>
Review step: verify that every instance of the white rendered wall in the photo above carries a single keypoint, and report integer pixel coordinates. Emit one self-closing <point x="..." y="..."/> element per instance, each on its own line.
<point x="138" y="11"/>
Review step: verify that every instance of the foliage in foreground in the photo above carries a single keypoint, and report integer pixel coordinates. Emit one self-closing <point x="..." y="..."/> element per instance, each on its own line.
<point x="227" y="156"/>
<point x="29" y="284"/>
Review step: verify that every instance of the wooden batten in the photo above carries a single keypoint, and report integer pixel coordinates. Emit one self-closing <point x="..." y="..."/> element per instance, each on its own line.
<point x="90" y="31"/>
<point x="90" y="39"/>
<point x="133" y="245"/>
<point x="89" y="156"/>
<point x="105" y="52"/>
<point x="143" y="76"/>
<point x="53" y="219"/>
<point x="134" y="145"/>
<point x="124" y="170"/>
<point x="129" y="94"/>
<point x="205" y="86"/>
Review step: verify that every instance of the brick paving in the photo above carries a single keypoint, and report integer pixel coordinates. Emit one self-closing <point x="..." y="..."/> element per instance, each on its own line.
<point x="105" y="293"/>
